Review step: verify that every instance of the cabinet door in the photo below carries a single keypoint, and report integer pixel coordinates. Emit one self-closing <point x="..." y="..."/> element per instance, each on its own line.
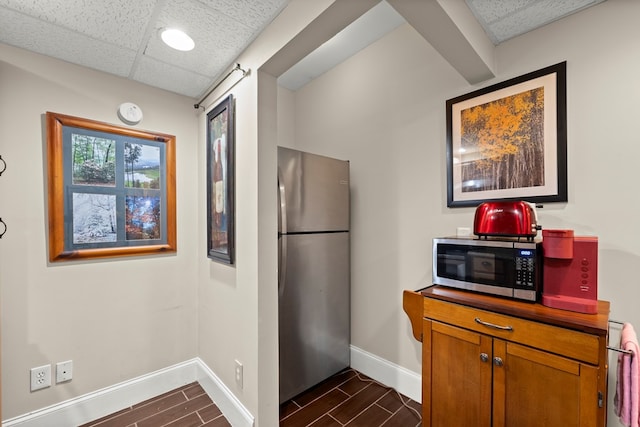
<point x="456" y="377"/>
<point x="533" y="388"/>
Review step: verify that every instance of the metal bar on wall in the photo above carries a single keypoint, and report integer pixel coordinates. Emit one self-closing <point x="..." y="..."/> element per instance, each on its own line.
<point x="619" y="350"/>
<point x="236" y="68"/>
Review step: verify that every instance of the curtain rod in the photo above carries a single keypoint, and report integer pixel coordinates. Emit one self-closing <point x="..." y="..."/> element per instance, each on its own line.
<point x="237" y="68"/>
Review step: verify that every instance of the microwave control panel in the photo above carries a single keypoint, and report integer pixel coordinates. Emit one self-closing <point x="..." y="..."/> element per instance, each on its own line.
<point x="525" y="267"/>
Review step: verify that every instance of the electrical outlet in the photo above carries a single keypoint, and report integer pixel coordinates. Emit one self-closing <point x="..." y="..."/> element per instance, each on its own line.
<point x="40" y="377"/>
<point x="239" y="373"/>
<point x="463" y="232"/>
<point x="64" y="371"/>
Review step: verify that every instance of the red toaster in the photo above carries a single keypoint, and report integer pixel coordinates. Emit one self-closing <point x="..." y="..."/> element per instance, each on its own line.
<point x="506" y="219"/>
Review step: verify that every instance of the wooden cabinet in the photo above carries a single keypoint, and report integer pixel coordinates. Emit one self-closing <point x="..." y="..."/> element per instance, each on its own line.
<point x="456" y="386"/>
<point x="488" y="361"/>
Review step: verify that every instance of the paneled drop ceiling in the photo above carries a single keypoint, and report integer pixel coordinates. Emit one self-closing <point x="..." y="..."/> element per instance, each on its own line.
<point x="121" y="37"/>
<point x="505" y="19"/>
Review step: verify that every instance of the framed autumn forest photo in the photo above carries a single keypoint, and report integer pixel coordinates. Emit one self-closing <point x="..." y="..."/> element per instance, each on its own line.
<point x="509" y="141"/>
<point x="111" y="190"/>
<point x="220" y="182"/>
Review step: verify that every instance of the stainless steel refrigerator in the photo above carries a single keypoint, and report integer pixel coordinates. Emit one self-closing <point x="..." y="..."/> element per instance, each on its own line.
<point x="314" y="269"/>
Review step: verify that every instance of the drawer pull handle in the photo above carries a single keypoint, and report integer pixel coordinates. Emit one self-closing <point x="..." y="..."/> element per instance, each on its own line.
<point x="498" y="361"/>
<point x="484" y="357"/>
<point x="492" y="325"/>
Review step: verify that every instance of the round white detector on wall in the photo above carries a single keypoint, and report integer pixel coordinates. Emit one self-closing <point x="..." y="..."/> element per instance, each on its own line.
<point x="129" y="113"/>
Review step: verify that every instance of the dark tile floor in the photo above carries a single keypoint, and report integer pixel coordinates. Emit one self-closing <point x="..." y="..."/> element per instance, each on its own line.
<point x="346" y="399"/>
<point x="350" y="399"/>
<point x="187" y="406"/>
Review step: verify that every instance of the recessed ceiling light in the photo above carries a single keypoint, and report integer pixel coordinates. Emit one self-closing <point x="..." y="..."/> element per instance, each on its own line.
<point x="177" y="39"/>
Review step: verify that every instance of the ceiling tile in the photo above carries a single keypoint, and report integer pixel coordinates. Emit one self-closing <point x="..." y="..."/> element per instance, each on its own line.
<point x="505" y="19"/>
<point x="490" y="11"/>
<point x="251" y="13"/>
<point x="535" y="15"/>
<point x="122" y="22"/>
<point x="171" y="78"/>
<point x="41" y="37"/>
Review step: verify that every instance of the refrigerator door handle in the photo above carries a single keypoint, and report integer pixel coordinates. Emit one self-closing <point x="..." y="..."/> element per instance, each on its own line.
<point x="282" y="231"/>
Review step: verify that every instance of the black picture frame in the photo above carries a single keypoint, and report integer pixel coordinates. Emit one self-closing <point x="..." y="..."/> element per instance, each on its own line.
<point x="111" y="190"/>
<point x="508" y="141"/>
<point x="220" y="181"/>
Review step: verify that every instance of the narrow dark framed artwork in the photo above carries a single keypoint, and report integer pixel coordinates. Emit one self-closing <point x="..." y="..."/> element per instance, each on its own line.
<point x="220" y="181"/>
<point x="509" y="141"/>
<point x="111" y="190"/>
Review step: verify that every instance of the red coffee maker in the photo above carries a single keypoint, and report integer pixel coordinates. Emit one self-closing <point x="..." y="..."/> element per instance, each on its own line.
<point x="570" y="279"/>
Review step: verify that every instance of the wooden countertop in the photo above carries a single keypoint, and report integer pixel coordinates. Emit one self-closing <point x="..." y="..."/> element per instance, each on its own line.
<point x="589" y="323"/>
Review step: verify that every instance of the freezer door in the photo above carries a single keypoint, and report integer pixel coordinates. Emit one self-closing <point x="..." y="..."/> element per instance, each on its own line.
<point x="315" y="191"/>
<point x="314" y="306"/>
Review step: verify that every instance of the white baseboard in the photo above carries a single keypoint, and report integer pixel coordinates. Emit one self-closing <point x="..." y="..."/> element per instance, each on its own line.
<point x="231" y="407"/>
<point x="403" y="380"/>
<point x="103" y="402"/>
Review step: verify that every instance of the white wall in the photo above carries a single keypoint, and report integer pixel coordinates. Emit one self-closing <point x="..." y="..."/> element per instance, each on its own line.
<point x="384" y="110"/>
<point x="115" y="319"/>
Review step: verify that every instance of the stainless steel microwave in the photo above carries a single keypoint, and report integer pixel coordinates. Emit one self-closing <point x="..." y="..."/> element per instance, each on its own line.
<point x="509" y="268"/>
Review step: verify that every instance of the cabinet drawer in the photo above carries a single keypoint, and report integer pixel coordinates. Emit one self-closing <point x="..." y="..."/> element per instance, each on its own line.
<point x="566" y="342"/>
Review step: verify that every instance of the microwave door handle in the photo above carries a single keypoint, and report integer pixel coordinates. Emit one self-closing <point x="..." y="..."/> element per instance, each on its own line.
<point x="282" y="234"/>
